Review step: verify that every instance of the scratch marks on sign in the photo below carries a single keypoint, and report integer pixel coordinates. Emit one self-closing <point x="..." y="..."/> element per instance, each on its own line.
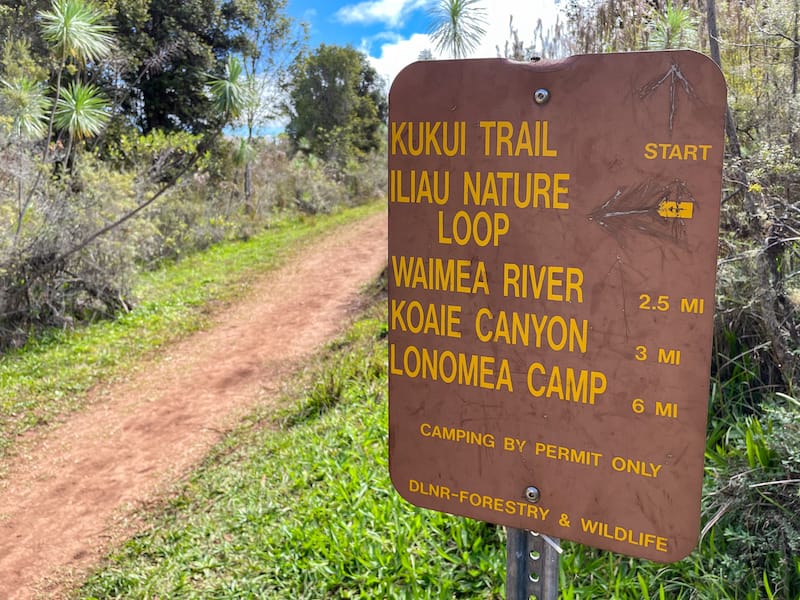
<point x="649" y="208"/>
<point x="618" y="267"/>
<point x="677" y="81"/>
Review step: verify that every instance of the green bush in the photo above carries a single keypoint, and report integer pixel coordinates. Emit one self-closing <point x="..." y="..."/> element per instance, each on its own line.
<point x="753" y="502"/>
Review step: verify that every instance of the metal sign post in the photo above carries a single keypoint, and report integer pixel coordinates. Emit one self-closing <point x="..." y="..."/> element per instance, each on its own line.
<point x="531" y="566"/>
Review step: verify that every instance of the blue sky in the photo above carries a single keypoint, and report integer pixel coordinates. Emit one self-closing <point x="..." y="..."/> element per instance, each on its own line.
<point x="393" y="32"/>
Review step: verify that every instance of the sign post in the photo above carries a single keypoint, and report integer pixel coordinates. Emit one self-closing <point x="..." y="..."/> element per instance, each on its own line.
<point x="552" y="256"/>
<point x="531" y="566"/>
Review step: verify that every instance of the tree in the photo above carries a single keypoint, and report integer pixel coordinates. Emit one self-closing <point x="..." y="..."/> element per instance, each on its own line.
<point x="336" y="104"/>
<point x="168" y="50"/>
<point x="674" y="27"/>
<point x="713" y="42"/>
<point x="272" y="41"/>
<point x="77" y="31"/>
<point x="457" y="26"/>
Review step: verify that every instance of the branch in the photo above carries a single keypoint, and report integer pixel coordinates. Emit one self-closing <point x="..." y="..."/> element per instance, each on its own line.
<point x="129" y="215"/>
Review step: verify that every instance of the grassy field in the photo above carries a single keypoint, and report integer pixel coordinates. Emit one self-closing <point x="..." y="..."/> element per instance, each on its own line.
<point x="50" y="376"/>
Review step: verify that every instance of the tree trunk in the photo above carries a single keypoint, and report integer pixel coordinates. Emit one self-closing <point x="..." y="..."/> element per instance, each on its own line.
<point x="248" y="188"/>
<point x="794" y="136"/>
<point x="713" y="42"/>
<point x="796" y="49"/>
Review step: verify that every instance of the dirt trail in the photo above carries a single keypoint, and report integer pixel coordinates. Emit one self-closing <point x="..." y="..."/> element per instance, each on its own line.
<point x="63" y="504"/>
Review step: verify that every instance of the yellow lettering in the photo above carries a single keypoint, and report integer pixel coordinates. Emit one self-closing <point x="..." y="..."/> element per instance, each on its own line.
<point x="554" y="281"/>
<point x="560" y="284"/>
<point x="414" y="317"/>
<point x="438" y="274"/>
<point x="622" y="534"/>
<point x="504" y="132"/>
<point x="635" y="467"/>
<point x="487" y="127"/>
<point x="541" y="189"/>
<point x="481" y="229"/>
<point x="432" y="147"/>
<point x="428" y="489"/>
<point x="473" y="370"/>
<point x="523" y="190"/>
<point x="514" y="329"/>
<point x="524" y="141"/>
<point x="437" y="138"/>
<point x="398" y="145"/>
<point x="457" y="435"/>
<point x="566" y="383"/>
<point x="567" y="454"/>
<point x="545" y="150"/>
<point x="667" y="151"/>
<point x="559" y="191"/>
<point x="503" y="138"/>
<point x="415" y="187"/>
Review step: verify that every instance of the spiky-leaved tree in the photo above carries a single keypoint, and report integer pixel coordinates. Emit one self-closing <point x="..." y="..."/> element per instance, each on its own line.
<point x="78" y="32"/>
<point x="457" y="26"/>
<point x="675" y="26"/>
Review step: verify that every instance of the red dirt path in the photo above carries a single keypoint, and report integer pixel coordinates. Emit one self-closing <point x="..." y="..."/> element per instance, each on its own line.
<point x="71" y="497"/>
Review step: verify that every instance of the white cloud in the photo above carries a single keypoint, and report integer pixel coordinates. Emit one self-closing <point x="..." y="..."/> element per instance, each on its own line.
<point x="391" y="12"/>
<point x="397" y="54"/>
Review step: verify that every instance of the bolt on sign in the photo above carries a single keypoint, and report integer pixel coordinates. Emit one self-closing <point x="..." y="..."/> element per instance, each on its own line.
<point x="552" y="251"/>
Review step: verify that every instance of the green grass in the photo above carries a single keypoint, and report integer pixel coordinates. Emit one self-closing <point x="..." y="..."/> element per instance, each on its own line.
<point x="306" y="510"/>
<point x="51" y="375"/>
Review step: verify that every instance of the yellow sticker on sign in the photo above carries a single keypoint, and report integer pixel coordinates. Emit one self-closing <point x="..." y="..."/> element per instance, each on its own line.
<point x="671" y="209"/>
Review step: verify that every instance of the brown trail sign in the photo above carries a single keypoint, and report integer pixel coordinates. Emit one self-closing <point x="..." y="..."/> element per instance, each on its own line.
<point x="552" y="251"/>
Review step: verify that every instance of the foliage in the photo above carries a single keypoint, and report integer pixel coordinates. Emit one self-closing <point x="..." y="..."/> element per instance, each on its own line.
<point x="230" y="93"/>
<point x="69" y="246"/>
<point x="273" y="40"/>
<point x="457" y="26"/>
<point x="546" y="43"/>
<point x="19" y="30"/>
<point x="37" y="282"/>
<point x="81" y="111"/>
<point x="24" y="105"/>
<point x="753" y="499"/>
<point x="336" y="104"/>
<point x="77" y="30"/>
<point x="674" y="27"/>
<point x="167" y="52"/>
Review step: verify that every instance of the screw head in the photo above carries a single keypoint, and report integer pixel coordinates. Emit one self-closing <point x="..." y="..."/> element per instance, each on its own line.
<point x="532" y="494"/>
<point x="541" y="96"/>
